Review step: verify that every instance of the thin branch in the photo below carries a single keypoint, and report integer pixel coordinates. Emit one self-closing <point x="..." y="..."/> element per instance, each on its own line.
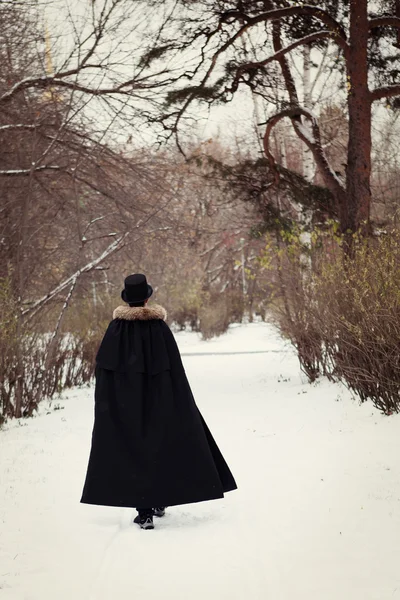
<point x="338" y="34"/>
<point x="28" y="172"/>
<point x="384" y="22"/>
<point x="333" y="183"/>
<point x="388" y="91"/>
<point x="55" y="81"/>
<point x="21" y="126"/>
<point x="113" y="247"/>
<point x="320" y="69"/>
<point x="305" y="9"/>
<point x="281" y="53"/>
<point x="60" y="316"/>
<point x="284" y="64"/>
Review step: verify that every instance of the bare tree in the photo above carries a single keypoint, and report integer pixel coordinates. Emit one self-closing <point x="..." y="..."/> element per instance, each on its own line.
<point x="70" y="198"/>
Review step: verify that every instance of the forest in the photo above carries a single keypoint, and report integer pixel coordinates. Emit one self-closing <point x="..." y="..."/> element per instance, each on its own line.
<point x="243" y="154"/>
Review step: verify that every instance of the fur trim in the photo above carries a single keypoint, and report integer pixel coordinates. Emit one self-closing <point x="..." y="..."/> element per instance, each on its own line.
<point x="140" y="313"/>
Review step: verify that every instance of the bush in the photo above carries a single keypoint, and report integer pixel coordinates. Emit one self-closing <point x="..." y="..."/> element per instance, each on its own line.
<point x="343" y="313"/>
<point x="31" y="368"/>
<point x="183" y="299"/>
<point x="34" y="366"/>
<point x="209" y="312"/>
<point x="222" y="310"/>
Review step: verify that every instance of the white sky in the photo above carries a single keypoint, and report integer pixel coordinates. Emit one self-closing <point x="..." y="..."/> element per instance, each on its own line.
<point x="229" y="121"/>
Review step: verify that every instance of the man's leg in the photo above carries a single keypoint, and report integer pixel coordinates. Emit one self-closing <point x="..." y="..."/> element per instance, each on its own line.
<point x="145" y="512"/>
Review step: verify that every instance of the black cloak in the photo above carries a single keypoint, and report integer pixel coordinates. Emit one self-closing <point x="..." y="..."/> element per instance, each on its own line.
<point x="150" y="444"/>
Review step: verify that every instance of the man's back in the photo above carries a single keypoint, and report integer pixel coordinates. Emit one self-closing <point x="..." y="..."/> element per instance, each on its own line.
<point x="150" y="444"/>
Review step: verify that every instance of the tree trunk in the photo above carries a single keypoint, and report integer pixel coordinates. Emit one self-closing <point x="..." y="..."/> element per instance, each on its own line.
<point x="19" y="285"/>
<point x="355" y="212"/>
<point x="308" y="159"/>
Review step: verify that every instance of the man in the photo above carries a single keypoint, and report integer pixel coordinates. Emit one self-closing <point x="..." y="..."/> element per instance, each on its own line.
<point x="150" y="446"/>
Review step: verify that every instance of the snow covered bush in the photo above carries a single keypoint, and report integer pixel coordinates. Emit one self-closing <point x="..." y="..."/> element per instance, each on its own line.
<point x="343" y="313"/>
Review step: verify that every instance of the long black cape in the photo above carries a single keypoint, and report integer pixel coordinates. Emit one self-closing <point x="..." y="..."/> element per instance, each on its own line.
<point x="150" y="445"/>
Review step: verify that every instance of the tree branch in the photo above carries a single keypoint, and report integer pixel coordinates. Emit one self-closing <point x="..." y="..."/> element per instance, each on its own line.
<point x="284" y="64"/>
<point x="113" y="247"/>
<point x="313" y="143"/>
<point x="384" y="22"/>
<point x="338" y="34"/>
<point x="332" y="182"/>
<point x="281" y="53"/>
<point x="18" y="126"/>
<point x="56" y="81"/>
<point x="292" y="11"/>
<point x="385" y="92"/>
<point x="28" y="172"/>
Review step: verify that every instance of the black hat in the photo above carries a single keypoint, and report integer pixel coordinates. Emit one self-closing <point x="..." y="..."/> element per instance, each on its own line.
<point x="136" y="289"/>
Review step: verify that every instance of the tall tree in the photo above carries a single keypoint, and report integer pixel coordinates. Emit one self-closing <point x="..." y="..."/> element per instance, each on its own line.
<point x="366" y="36"/>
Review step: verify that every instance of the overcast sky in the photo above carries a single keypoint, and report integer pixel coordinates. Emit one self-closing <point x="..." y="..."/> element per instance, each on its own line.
<point x="67" y="19"/>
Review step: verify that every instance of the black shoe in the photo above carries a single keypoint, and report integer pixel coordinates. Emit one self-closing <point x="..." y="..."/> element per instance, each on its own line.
<point x="145" y="521"/>
<point x="160" y="511"/>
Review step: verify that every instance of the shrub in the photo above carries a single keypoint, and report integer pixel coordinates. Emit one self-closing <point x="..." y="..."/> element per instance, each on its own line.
<point x="222" y="310"/>
<point x="343" y="313"/>
<point x="183" y="299"/>
<point x="31" y="369"/>
<point x="35" y="366"/>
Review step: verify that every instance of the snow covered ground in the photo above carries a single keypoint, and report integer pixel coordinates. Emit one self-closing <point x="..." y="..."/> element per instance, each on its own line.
<point x="316" y="515"/>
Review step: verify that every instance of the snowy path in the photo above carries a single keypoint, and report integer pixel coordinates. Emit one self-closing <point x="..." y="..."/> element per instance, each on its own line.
<point x="316" y="516"/>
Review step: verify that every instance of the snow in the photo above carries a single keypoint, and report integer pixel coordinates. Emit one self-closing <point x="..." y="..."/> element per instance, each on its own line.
<point x="18" y="126"/>
<point x="332" y="172"/>
<point x="20" y="84"/>
<point x="316" y="515"/>
<point x="12" y="172"/>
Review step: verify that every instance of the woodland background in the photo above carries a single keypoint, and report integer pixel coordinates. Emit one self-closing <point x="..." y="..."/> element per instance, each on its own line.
<point x="287" y="209"/>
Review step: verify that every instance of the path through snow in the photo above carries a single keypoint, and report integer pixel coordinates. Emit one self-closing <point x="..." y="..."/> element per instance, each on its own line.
<point x="316" y="515"/>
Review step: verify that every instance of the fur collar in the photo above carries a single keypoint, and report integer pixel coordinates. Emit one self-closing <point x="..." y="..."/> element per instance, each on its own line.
<point x="140" y="313"/>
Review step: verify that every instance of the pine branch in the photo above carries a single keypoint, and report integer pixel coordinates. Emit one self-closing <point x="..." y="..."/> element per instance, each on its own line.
<point x="388" y="91"/>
